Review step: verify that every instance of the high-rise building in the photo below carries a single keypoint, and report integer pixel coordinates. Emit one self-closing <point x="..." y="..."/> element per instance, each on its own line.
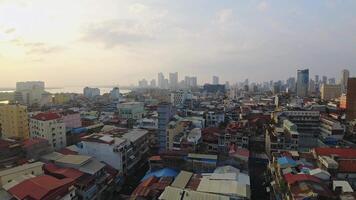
<point x="325" y="80"/>
<point x="312" y="86"/>
<point x="302" y="82"/>
<point x="173" y="80"/>
<point x="160" y="80"/>
<point x="291" y="84"/>
<point x="316" y="78"/>
<point x="215" y="80"/>
<point x="115" y="94"/>
<point x="91" y="92"/>
<point x="330" y="91"/>
<point x="165" y="84"/>
<point x="165" y="112"/>
<point x="143" y="83"/>
<point x="332" y="81"/>
<point x="14" y="121"/>
<point x="153" y="83"/>
<point x="190" y="82"/>
<point x="344" y="77"/>
<point x="351" y="99"/>
<point x="30" y="92"/>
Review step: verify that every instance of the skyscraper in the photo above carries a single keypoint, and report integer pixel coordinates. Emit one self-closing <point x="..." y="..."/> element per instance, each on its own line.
<point x="215" y="80"/>
<point x="302" y="82"/>
<point x="153" y="83"/>
<point x="160" y="80"/>
<point x="345" y="74"/>
<point x="317" y="79"/>
<point x="173" y="80"/>
<point x="325" y="80"/>
<point x="332" y="81"/>
<point x="165" y="112"/>
<point x="190" y="82"/>
<point x="351" y="99"/>
<point x="291" y="84"/>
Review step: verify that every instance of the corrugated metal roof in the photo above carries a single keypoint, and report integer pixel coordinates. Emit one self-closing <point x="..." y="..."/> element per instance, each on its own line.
<point x="202" y="156"/>
<point x="92" y="167"/>
<point x="20" y="168"/>
<point x="74" y="159"/>
<point x="182" y="179"/>
<point x="194" y="195"/>
<point x="226" y="187"/>
<point x="171" y="193"/>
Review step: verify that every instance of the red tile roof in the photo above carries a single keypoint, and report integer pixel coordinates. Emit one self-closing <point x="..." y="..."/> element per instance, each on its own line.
<point x="47" y="116"/>
<point x="66" y="151"/>
<point x="339" y="152"/>
<point x="348" y="166"/>
<point x="292" y="178"/>
<point x="65" y="172"/>
<point x="41" y="188"/>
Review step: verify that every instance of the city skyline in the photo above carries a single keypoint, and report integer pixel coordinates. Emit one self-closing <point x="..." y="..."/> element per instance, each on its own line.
<point x="121" y="42"/>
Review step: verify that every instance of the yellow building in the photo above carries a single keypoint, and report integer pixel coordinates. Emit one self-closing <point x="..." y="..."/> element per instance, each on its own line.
<point x="329" y="92"/>
<point x="14" y="121"/>
<point x="61" y="98"/>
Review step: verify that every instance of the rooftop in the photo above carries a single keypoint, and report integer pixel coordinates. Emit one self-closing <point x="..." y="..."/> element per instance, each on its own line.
<point x="46" y="116"/>
<point x="74" y="159"/>
<point x="20" y="168"/>
<point x="38" y="188"/>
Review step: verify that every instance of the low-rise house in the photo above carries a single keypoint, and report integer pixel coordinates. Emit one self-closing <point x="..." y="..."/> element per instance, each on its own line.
<point x="36" y="147"/>
<point x="15" y="173"/>
<point x="44" y="188"/>
<point x="10" y="153"/>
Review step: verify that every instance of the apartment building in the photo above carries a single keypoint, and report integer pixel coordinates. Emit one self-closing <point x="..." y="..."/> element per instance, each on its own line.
<point x="50" y="127"/>
<point x="14" y="121"/>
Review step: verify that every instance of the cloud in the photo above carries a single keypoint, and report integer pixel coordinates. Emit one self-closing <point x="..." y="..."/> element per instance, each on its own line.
<point x="143" y="24"/>
<point x="224" y="16"/>
<point x="38" y="48"/>
<point x="263" y="6"/>
<point x="10" y="30"/>
<point x="137" y="8"/>
<point x="117" y="32"/>
<point x="44" y="49"/>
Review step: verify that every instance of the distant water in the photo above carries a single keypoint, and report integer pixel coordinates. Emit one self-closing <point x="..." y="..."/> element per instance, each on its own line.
<point x="4" y="102"/>
<point x="78" y="90"/>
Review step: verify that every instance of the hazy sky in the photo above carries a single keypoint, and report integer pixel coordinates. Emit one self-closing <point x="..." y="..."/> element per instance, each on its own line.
<point x="91" y="42"/>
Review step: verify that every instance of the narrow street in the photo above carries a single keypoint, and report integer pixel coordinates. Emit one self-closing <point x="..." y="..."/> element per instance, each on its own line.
<point x="258" y="181"/>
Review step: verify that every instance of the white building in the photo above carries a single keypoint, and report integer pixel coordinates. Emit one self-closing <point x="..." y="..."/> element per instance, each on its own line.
<point x="173" y="80"/>
<point x="131" y="110"/>
<point x="29" y="92"/>
<point x="115" y="94"/>
<point x="50" y="127"/>
<point x="120" y="148"/>
<point x="213" y="119"/>
<point x="91" y="92"/>
<point x="215" y="80"/>
<point x="179" y="97"/>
